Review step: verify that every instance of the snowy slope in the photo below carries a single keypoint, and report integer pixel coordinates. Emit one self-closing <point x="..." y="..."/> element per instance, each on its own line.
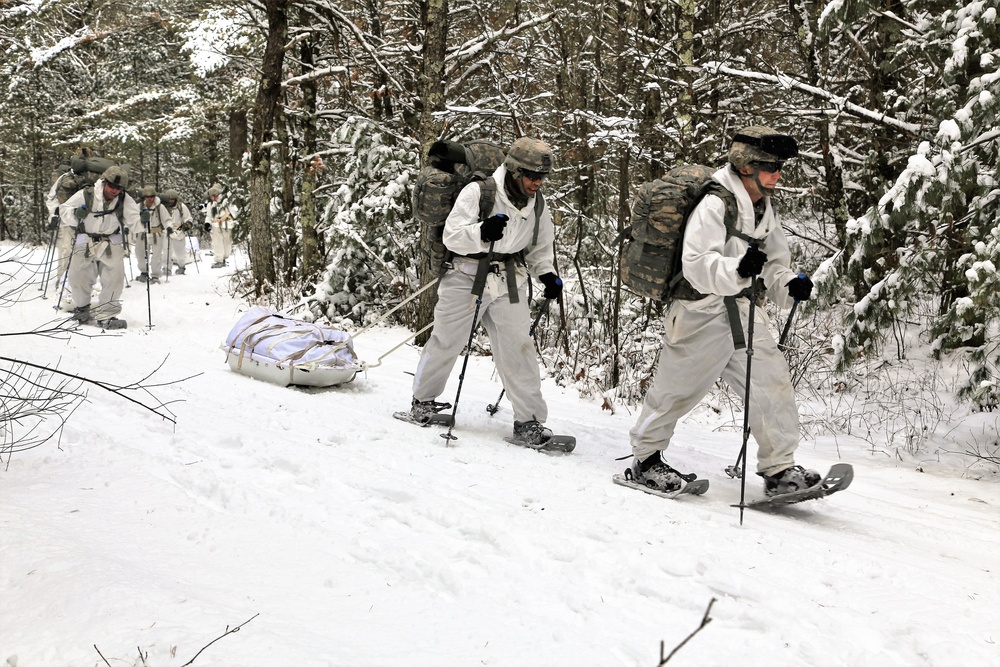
<point x="351" y="538"/>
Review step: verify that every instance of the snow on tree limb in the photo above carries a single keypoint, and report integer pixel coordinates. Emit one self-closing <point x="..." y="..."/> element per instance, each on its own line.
<point x="837" y="101"/>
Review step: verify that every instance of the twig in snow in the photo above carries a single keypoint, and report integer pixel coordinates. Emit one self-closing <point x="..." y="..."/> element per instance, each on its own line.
<point x="102" y="656"/>
<point x="704" y="621"/>
<point x="227" y="632"/>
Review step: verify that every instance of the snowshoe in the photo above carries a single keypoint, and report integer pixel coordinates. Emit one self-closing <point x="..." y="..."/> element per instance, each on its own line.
<point x="790" y="479"/>
<point x="426" y="413"/>
<point x="689" y="484"/>
<point x="112" y="323"/>
<point x="839" y="478"/>
<point x="533" y="435"/>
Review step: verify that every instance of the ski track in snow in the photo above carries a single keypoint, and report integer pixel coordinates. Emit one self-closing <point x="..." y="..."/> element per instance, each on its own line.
<point x="363" y="540"/>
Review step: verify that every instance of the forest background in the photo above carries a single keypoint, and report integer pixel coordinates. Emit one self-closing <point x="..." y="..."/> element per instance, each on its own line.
<point x="315" y="116"/>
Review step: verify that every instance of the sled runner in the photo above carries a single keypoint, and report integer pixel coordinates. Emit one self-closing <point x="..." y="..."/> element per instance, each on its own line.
<point x="266" y="345"/>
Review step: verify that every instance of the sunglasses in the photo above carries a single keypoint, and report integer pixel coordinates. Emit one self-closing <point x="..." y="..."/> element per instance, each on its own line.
<point x="768" y="167"/>
<point x="533" y="175"/>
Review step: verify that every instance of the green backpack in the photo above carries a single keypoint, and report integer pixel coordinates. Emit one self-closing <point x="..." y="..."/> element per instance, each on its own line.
<point x="651" y="256"/>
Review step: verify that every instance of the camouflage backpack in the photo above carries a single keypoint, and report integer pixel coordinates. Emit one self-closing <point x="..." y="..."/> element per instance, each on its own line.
<point x="452" y="166"/>
<point x="651" y="257"/>
<point x="84" y="171"/>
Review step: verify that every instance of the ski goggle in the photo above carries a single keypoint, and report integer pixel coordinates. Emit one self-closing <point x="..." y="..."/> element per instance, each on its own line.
<point x="768" y="167"/>
<point x="110" y="185"/>
<point x="533" y="175"/>
<point x="779" y="145"/>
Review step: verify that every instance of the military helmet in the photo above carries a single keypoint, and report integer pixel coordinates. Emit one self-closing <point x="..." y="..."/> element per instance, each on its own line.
<point x="761" y="144"/>
<point x="148" y="191"/>
<point x="116" y="175"/>
<point x="171" y="195"/>
<point x="527" y="154"/>
<point x="214" y="190"/>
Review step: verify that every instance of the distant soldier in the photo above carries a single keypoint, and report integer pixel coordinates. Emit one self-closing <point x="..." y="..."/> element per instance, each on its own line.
<point x="100" y="216"/>
<point x="179" y="230"/>
<point x="83" y="169"/>
<point x="220" y="217"/>
<point x="151" y="239"/>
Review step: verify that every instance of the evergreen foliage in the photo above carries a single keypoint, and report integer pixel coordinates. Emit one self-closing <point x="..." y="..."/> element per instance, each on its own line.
<point x="893" y="103"/>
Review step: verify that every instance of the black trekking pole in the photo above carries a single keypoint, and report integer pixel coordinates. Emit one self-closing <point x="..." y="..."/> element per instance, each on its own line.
<point x="166" y="269"/>
<point x="50" y="253"/>
<point x="736" y="469"/>
<point x="746" y="397"/>
<point x="190" y="246"/>
<point x="495" y="407"/>
<point x="468" y="349"/>
<point x="149" y="298"/>
<point x="65" y="279"/>
<point x="788" y="322"/>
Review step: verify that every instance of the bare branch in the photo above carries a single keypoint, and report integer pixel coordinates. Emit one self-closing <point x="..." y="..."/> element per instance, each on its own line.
<point x="227" y="632"/>
<point x="704" y="621"/>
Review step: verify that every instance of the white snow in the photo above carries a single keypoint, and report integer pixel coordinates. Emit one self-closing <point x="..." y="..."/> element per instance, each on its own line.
<point x="346" y="537"/>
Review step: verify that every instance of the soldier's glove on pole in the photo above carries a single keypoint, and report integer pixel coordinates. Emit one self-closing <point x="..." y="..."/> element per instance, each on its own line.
<point x="492" y="228"/>
<point x="553" y="285"/>
<point x="800" y="288"/>
<point x="752" y="263"/>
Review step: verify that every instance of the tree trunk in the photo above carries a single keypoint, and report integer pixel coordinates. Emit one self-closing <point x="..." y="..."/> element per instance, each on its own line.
<point x="312" y="258"/>
<point x="431" y="86"/>
<point x="237" y="140"/>
<point x="265" y="109"/>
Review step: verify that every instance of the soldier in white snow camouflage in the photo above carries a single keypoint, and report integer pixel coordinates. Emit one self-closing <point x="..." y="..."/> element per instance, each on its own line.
<point x="701" y="343"/>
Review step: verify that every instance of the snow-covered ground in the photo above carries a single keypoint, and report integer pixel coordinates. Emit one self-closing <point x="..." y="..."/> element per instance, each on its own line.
<point x="338" y="535"/>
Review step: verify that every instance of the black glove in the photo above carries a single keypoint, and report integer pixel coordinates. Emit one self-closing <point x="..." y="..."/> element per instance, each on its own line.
<point x="170" y="230"/>
<point x="751" y="263"/>
<point x="124" y="231"/>
<point x="492" y="228"/>
<point x="800" y="288"/>
<point x="54" y="223"/>
<point x="553" y="285"/>
<point x="208" y="226"/>
<point x="185" y="226"/>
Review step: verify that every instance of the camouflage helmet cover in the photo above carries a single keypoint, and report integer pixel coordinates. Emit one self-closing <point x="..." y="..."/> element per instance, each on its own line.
<point x="171" y="195"/>
<point x="116" y="175"/>
<point x="214" y="190"/>
<point x="148" y="191"/>
<point x="762" y="144"/>
<point x="527" y="154"/>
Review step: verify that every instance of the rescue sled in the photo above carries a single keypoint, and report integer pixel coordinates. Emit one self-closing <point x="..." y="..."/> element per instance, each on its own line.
<point x="266" y="345"/>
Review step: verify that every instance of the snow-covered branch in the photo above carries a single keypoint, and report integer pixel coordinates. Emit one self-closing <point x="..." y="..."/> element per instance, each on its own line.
<point x="785" y="81"/>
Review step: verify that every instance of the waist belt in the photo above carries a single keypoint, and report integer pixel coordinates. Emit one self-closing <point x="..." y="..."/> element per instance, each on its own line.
<point x="491" y="264"/>
<point x="97" y="238"/>
<point x="732" y="312"/>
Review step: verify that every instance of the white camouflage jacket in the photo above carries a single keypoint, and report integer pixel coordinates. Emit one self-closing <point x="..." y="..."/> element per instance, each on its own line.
<point x="462" y="235"/>
<point x="710" y="260"/>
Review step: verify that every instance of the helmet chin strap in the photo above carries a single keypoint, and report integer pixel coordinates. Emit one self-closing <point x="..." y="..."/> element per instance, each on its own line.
<point x="756" y="179"/>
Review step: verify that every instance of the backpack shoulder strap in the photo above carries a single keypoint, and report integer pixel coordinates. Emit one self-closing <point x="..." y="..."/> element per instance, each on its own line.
<point x="487" y="196"/>
<point x="88" y="197"/>
<point x="731" y="217"/>
<point x="539" y="207"/>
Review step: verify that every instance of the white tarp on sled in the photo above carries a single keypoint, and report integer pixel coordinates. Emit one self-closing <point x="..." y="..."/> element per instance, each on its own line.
<point x="276" y="348"/>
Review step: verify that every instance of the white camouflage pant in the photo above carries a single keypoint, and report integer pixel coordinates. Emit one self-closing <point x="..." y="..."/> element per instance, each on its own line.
<point x="507" y="325"/>
<point x="157" y="252"/>
<point x="177" y="251"/>
<point x="697" y="350"/>
<point x="90" y="261"/>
